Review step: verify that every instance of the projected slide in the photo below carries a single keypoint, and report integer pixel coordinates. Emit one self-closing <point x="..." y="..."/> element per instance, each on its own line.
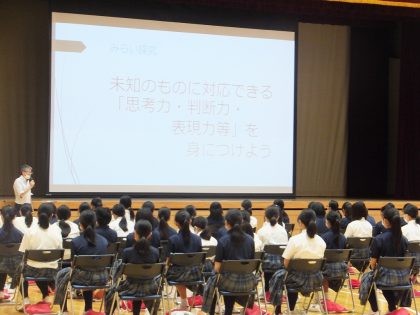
<point x="148" y="107"/>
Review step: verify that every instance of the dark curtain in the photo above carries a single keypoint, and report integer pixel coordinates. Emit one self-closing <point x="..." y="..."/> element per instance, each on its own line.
<point x="408" y="156"/>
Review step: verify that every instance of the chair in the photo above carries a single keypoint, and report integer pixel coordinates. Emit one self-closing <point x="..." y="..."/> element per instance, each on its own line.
<point x="242" y="267"/>
<point x="9" y="253"/>
<point x="113" y="249"/>
<point x="164" y="250"/>
<point x="189" y="260"/>
<point x="414" y="250"/>
<point x="123" y="244"/>
<point x="210" y="252"/>
<point x="305" y="266"/>
<point x="276" y="250"/>
<point x="66" y="262"/>
<point x="43" y="256"/>
<point x="143" y="272"/>
<point x="360" y="245"/>
<point x="92" y="263"/>
<point x="395" y="263"/>
<point x="337" y="256"/>
<point x="289" y="228"/>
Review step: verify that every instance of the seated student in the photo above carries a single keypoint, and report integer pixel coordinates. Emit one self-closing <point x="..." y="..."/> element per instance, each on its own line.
<point x="284" y="218"/>
<point x="319" y="209"/>
<point x="306" y="245"/>
<point x="412" y="229"/>
<point x="216" y="221"/>
<point x="390" y="243"/>
<point x="96" y="203"/>
<point x="68" y="229"/>
<point x="333" y="206"/>
<point x="202" y="230"/>
<point x="378" y="228"/>
<point x="88" y="243"/>
<point x="9" y="234"/>
<point x="164" y="230"/>
<point x="150" y="205"/>
<point x="129" y="212"/>
<point x="145" y="214"/>
<point x="103" y="218"/>
<point x="272" y="233"/>
<point x="82" y="207"/>
<point x="183" y="242"/>
<point x="247" y="228"/>
<point x="26" y="220"/>
<point x="140" y="253"/>
<point x="334" y="239"/>
<point x="346" y="215"/>
<point x="247" y="206"/>
<point x="235" y="245"/>
<point x="41" y="236"/>
<point x="193" y="213"/>
<point x="359" y="226"/>
<point x="119" y="223"/>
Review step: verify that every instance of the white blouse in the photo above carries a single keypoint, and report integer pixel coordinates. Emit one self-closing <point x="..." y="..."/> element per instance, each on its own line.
<point x="304" y="247"/>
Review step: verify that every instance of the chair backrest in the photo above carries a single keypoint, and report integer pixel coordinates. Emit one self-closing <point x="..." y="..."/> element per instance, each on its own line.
<point x="240" y="266"/>
<point x="44" y="255"/>
<point x="359" y="242"/>
<point x="414" y="247"/>
<point x="275" y="249"/>
<point x="123" y="241"/>
<point x="113" y="248"/>
<point x="143" y="271"/>
<point x="11" y="249"/>
<point x="187" y="259"/>
<point x="259" y="255"/>
<point x="337" y="255"/>
<point x="306" y="265"/>
<point x="93" y="261"/>
<point x="397" y="263"/>
<point x="210" y="250"/>
<point x="67" y="243"/>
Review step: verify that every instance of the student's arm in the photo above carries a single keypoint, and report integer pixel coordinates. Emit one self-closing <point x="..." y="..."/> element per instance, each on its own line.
<point x="372" y="263"/>
<point x="286" y="262"/>
<point x="217" y="266"/>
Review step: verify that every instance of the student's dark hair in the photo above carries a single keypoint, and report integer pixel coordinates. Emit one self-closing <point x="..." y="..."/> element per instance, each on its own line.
<point x="143" y="228"/>
<point x="247" y="206"/>
<point x="247" y="228"/>
<point x="183" y="218"/>
<point x="246" y="217"/>
<point x="234" y="219"/>
<point x="333" y="205"/>
<point x="216" y="210"/>
<point x="358" y="210"/>
<point x="412" y="211"/>
<point x="387" y="205"/>
<point x="126" y="202"/>
<point x="96" y="202"/>
<point x="149" y="204"/>
<point x="393" y="217"/>
<point x="308" y="217"/>
<point x="26" y="211"/>
<point x="334" y="219"/>
<point x="164" y="214"/>
<point x="88" y="222"/>
<point x="63" y="214"/>
<point x="144" y="214"/>
<point x="191" y="210"/>
<point x="54" y="212"/>
<point x="272" y="213"/>
<point x="84" y="206"/>
<point x="45" y="211"/>
<point x="347" y="209"/>
<point x="279" y="203"/>
<point x="119" y="211"/>
<point x="103" y="216"/>
<point x="318" y="207"/>
<point x="8" y="213"/>
<point x="201" y="223"/>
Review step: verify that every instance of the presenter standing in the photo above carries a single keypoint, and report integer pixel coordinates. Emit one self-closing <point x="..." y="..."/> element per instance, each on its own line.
<point x="22" y="187"/>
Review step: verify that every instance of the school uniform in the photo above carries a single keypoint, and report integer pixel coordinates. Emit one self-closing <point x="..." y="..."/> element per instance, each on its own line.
<point x="272" y="235"/>
<point x="411" y="231"/>
<point x="19" y="223"/>
<point x="80" y="246"/>
<point x="253" y="221"/>
<point x="154" y="241"/>
<point x="359" y="228"/>
<point x="303" y="247"/>
<point x="120" y="232"/>
<point x="227" y="250"/>
<point x="344" y="223"/>
<point x="220" y="232"/>
<point x="109" y="234"/>
<point x="371" y="220"/>
<point x="9" y="265"/>
<point x="321" y="226"/>
<point x="171" y="231"/>
<point x="214" y="225"/>
<point x="74" y="228"/>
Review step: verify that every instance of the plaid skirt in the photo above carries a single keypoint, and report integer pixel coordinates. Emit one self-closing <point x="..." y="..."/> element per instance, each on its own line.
<point x="336" y="270"/>
<point x="29" y="271"/>
<point x="303" y="282"/>
<point x="184" y="273"/>
<point x="11" y="265"/>
<point x="416" y="266"/>
<point x="365" y="285"/>
<point x="232" y="282"/>
<point x="272" y="263"/>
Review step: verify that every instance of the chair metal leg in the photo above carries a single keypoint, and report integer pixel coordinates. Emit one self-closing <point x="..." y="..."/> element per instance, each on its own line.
<point x="414" y="298"/>
<point x="351" y="295"/>
<point x="259" y="304"/>
<point x="167" y="296"/>
<point x="324" y="307"/>
<point x="287" y="299"/>
<point x="263" y="290"/>
<point x="376" y="295"/>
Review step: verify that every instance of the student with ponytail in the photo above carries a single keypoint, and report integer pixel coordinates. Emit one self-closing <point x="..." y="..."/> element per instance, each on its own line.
<point x="272" y="233"/>
<point x="129" y="212"/>
<point x="103" y="218"/>
<point x="140" y="253"/>
<point x="25" y="221"/>
<point x="390" y="243"/>
<point x="41" y="236"/>
<point x="145" y="214"/>
<point x="306" y="245"/>
<point x="9" y="234"/>
<point x="184" y="242"/>
<point x="412" y="229"/>
<point x="88" y="243"/>
<point x="120" y="224"/>
<point x="235" y="245"/>
<point x="68" y="229"/>
<point x="165" y="231"/>
<point x="202" y="230"/>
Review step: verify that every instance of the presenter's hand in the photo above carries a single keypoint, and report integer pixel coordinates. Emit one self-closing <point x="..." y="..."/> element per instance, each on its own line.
<point x="32" y="183"/>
